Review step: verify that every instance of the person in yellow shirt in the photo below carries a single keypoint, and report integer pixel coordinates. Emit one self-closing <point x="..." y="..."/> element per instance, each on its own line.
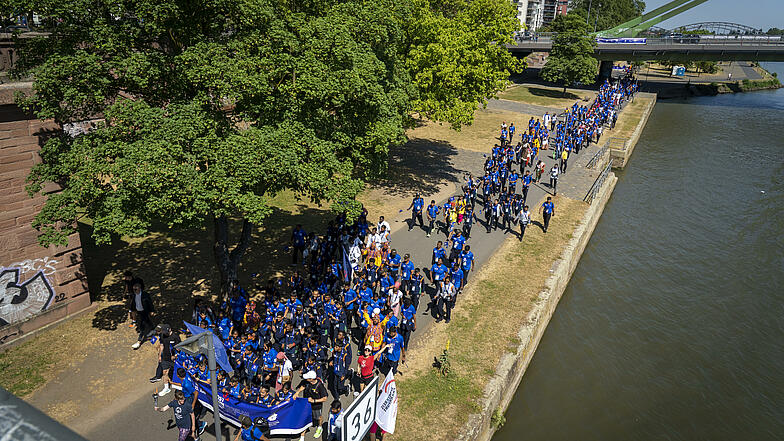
<point x="564" y="158"/>
<point x="461" y="206"/>
<point x="374" y="335"/>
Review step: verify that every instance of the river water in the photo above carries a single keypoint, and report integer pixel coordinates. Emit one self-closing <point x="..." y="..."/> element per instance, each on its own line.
<point x="672" y="327"/>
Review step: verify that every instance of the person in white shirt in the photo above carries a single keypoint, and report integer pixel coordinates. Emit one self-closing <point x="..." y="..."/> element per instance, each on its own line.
<point x="554" y="177"/>
<point x="446" y="300"/>
<point x="524" y="218"/>
<point x="382" y="223"/>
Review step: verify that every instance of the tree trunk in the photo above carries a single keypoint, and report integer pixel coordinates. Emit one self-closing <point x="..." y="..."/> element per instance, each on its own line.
<point x="228" y="262"/>
<point x="564" y="91"/>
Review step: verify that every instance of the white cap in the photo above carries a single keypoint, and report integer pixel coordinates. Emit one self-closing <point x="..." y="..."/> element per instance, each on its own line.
<point x="309" y="375"/>
<point x="376" y="311"/>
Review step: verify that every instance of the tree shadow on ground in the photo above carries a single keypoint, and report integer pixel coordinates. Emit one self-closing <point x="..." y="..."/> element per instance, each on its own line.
<point x="419" y="166"/>
<point x="552" y="93"/>
<point x="177" y="266"/>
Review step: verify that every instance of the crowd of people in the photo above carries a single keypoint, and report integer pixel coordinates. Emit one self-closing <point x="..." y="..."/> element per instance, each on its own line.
<point x="351" y="286"/>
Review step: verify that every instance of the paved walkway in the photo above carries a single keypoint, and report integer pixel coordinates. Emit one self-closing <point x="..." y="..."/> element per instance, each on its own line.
<point x="137" y="420"/>
<point x="516" y="106"/>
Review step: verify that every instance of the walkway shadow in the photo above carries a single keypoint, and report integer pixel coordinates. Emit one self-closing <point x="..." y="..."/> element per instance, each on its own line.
<point x="419" y="166"/>
<point x="178" y="266"/>
<point x="551" y="93"/>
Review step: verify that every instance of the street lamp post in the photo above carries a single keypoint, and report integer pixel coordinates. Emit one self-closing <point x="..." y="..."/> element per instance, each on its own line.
<point x="203" y="344"/>
<point x="588" y="18"/>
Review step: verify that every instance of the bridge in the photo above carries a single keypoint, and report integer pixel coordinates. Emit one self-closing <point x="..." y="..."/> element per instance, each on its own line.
<point x="717" y="48"/>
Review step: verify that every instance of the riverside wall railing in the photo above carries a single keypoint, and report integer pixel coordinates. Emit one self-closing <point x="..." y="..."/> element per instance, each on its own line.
<point x="598" y="155"/>
<point x="597" y="184"/>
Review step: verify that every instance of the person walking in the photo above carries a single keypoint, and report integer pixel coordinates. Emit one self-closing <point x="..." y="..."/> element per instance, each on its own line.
<point x="432" y="215"/>
<point x="524" y="218"/>
<point x="554" y="178"/>
<point x="416" y="212"/>
<point x="547" y="210"/>
<point x="564" y="159"/>
<point x="142" y="303"/>
<point x="184" y="417"/>
<point x="313" y="389"/>
<point x="165" y="363"/>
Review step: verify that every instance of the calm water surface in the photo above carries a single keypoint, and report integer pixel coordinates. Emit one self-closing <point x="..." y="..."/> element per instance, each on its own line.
<point x="672" y="327"/>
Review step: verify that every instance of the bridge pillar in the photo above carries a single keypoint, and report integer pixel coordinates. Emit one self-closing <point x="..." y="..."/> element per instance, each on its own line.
<point x="605" y="70"/>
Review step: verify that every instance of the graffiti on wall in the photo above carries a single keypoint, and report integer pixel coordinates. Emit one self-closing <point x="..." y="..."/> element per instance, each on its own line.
<point x="44" y="264"/>
<point x="19" y="299"/>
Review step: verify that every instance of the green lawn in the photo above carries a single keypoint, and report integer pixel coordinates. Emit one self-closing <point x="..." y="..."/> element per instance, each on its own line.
<point x="545" y="96"/>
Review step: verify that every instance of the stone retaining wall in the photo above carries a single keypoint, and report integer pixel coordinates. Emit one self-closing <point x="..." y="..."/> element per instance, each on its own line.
<point x="38" y="285"/>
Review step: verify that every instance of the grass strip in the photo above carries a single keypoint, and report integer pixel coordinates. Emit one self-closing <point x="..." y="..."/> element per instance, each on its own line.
<point x="485" y="325"/>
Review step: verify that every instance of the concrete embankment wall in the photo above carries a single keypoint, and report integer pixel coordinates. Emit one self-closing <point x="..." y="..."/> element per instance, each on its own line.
<point x="621" y="156"/>
<point x="501" y="388"/>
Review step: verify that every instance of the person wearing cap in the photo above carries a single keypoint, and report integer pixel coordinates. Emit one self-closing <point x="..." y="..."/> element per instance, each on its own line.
<point x="313" y="389"/>
<point x="250" y="431"/>
<point x="284" y="370"/>
<point x="366" y="363"/>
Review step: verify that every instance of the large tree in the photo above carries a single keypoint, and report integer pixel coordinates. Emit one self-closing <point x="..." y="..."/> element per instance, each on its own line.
<point x="606" y="14"/>
<point x="209" y="108"/>
<point x="571" y="58"/>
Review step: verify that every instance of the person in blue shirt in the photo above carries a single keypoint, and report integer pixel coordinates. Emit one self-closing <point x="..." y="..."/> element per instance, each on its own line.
<point x="395" y="351"/>
<point x="265" y="398"/>
<point x="526" y="184"/>
<point x="251" y="432"/>
<point x="416" y="287"/>
<point x="513" y="181"/>
<point x="457" y="245"/>
<point x="406" y="271"/>
<point x="333" y="429"/>
<point x="437" y="273"/>
<point x="457" y="276"/>
<point x="408" y="323"/>
<point x="297" y="242"/>
<point x="468" y="221"/>
<point x="339" y="366"/>
<point x="432" y="216"/>
<point x="438" y="252"/>
<point x="393" y="264"/>
<point x="416" y="212"/>
<point x="547" y="210"/>
<point x="511" y="132"/>
<point x="268" y="362"/>
<point x="466" y="262"/>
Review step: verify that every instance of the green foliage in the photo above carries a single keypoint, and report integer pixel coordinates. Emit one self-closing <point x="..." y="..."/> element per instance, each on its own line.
<point x="775" y="31"/>
<point x="708" y="66"/>
<point x="452" y="67"/>
<point x="607" y="14"/>
<point x="571" y="59"/>
<point x="498" y="419"/>
<point x="211" y="108"/>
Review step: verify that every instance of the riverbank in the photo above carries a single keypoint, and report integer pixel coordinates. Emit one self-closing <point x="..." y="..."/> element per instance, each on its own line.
<point x="502" y="316"/>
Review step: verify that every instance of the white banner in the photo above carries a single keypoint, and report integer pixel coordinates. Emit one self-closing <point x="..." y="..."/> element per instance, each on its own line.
<point x="386" y="404"/>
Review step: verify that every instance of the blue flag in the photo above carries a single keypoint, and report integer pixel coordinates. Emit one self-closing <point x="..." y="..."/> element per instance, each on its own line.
<point x="289" y="418"/>
<point x="220" y="350"/>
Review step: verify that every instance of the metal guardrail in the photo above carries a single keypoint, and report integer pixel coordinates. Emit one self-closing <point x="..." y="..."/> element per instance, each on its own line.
<point x="597" y="184"/>
<point x="598" y="155"/>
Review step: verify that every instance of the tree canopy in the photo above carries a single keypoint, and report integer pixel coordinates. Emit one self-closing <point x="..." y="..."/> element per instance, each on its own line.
<point x="606" y="14"/>
<point x="571" y="58"/>
<point x="208" y="109"/>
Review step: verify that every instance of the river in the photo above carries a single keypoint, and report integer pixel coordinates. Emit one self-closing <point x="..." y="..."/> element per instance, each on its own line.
<point x="672" y="327"/>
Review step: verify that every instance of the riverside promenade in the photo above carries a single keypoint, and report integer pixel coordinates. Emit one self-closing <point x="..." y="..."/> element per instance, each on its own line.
<point x="130" y="416"/>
